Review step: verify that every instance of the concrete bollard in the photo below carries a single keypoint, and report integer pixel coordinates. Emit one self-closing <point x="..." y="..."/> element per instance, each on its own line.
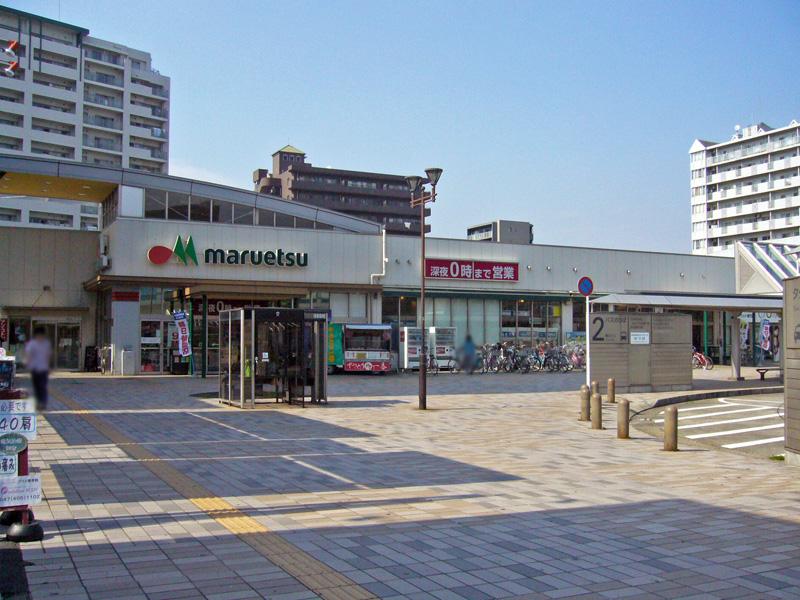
<point x="595" y="387"/>
<point x="597" y="411"/>
<point x="671" y="429"/>
<point x="612" y="390"/>
<point x="584" y="403"/>
<point x="623" y="419"/>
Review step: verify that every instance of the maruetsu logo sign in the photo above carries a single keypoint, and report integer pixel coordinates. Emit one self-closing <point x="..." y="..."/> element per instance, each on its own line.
<point x="184" y="252"/>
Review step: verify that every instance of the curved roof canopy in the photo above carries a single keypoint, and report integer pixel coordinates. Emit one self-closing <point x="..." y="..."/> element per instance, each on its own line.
<point x="68" y="180"/>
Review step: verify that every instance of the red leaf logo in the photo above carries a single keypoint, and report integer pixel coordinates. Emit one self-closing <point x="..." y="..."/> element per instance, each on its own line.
<point x="158" y="255"/>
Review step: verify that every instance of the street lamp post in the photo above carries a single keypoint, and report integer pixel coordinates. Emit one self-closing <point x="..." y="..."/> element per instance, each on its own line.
<point x="416" y="183"/>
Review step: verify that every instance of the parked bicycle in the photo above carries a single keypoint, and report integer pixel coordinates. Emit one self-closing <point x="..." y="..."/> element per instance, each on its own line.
<point x="431" y="364"/>
<point x="701" y="361"/>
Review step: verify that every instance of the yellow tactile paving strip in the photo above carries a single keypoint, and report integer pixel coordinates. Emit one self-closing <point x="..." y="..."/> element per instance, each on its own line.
<point x="314" y="574"/>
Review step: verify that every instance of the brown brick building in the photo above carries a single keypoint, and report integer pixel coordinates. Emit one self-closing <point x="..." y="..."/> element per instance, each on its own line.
<point x="375" y="196"/>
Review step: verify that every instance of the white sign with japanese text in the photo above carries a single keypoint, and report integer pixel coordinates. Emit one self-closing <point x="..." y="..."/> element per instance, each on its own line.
<point x="17" y="406"/>
<point x="22" y="423"/>
<point x="8" y="465"/>
<point x="20" y="491"/>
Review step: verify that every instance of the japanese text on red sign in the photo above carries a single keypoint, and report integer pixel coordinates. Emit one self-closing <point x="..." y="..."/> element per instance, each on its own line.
<point x="442" y="268"/>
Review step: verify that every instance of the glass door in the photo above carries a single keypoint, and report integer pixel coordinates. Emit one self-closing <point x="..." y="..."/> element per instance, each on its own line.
<point x="150" y="340"/>
<point x="68" y="345"/>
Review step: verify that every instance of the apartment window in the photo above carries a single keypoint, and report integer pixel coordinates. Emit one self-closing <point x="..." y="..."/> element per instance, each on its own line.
<point x="10" y="215"/>
<point x="52" y="219"/>
<point x="155" y="204"/>
<point x="178" y="206"/>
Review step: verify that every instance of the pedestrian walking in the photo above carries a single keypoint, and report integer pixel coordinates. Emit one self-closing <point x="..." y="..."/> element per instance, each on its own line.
<point x="38" y="353"/>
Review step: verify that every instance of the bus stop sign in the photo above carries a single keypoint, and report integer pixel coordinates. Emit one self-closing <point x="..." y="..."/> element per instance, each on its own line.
<point x="585" y="286"/>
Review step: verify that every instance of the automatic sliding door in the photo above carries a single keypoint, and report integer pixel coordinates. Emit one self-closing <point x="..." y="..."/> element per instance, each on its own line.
<point x="68" y="349"/>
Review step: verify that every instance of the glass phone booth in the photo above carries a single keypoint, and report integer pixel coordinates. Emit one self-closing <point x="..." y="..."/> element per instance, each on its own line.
<point x="272" y="355"/>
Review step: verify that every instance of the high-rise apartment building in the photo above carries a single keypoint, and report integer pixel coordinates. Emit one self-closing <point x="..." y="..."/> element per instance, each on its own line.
<point x="746" y="188"/>
<point x="80" y="98"/>
<point x="374" y="196"/>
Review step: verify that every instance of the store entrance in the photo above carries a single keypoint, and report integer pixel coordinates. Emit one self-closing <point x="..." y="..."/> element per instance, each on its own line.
<point x="64" y="336"/>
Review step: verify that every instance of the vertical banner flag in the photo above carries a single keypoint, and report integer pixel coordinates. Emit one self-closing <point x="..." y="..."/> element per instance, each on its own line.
<point x="765" y="335"/>
<point x="182" y="323"/>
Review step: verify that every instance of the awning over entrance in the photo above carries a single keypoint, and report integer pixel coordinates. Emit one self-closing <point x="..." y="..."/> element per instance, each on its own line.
<point x="761" y="267"/>
<point x="728" y="303"/>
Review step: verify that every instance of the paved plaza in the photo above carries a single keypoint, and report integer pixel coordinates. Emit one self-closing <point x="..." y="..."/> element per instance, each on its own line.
<point x="155" y="491"/>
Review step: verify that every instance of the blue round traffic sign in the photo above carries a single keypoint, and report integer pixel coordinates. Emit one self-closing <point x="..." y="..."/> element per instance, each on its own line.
<point x="585" y="286"/>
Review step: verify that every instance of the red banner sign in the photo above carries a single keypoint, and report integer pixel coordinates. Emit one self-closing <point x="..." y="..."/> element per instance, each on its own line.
<point x="476" y="270"/>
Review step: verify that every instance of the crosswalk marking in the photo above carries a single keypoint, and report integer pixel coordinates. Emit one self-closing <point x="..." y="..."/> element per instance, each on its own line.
<point x="753" y="443"/>
<point x="721" y="412"/>
<point x="727" y="404"/>
<point x="700" y="436"/>
<point x="727" y="421"/>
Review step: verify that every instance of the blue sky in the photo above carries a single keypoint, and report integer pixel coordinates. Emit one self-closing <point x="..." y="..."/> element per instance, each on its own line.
<point x="576" y="116"/>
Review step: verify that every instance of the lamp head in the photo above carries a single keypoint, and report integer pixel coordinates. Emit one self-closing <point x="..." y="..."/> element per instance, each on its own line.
<point x="433" y="174"/>
<point x="414" y="181"/>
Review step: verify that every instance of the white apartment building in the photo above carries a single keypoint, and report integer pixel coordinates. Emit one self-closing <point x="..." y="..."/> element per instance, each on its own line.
<point x="76" y="97"/>
<point x="746" y="188"/>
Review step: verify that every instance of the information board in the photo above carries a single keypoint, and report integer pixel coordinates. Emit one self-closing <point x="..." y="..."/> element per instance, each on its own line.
<point x="20" y="491"/>
<point x="791" y="315"/>
<point x="8" y="465"/>
<point x="609" y="328"/>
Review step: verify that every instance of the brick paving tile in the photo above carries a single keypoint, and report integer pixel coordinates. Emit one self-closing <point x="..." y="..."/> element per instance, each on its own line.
<point x="495" y="491"/>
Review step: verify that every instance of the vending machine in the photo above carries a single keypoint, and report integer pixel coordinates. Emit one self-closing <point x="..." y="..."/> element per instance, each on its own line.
<point x="443" y="343"/>
<point x="410" y="348"/>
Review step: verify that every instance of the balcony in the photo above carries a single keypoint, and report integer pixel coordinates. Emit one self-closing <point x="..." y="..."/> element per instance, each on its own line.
<point x="759" y="149"/>
<point x="102" y="144"/>
<point x="103" y="100"/>
<point x="105" y="57"/>
<point x="147" y="152"/>
<point x="338" y="188"/>
<point x="102" y="122"/>
<point x="104" y="78"/>
<point x="146" y="110"/>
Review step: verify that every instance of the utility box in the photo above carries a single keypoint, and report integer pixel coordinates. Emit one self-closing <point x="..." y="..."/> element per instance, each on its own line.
<point x="791" y="368"/>
<point x="643" y="352"/>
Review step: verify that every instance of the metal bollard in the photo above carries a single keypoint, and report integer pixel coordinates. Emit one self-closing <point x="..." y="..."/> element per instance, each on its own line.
<point x="597" y="411"/>
<point x="595" y="387"/>
<point x="623" y="419"/>
<point x="612" y="390"/>
<point x="584" y="416"/>
<point x="671" y="429"/>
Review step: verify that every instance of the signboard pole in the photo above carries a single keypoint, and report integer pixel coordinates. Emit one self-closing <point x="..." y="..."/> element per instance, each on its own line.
<point x="588" y="353"/>
<point x="586" y="287"/>
<point x="18" y="489"/>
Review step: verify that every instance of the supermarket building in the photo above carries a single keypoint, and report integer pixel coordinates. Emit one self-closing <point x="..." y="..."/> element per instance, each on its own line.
<point x="171" y="243"/>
